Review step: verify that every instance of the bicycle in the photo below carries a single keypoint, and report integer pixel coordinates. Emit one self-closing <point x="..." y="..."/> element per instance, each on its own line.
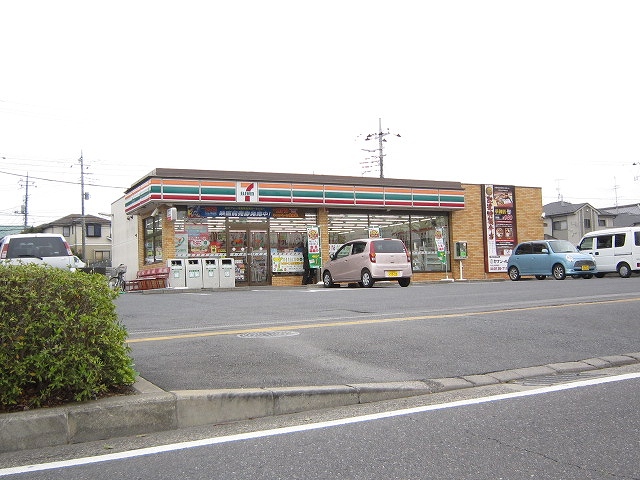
<point x="116" y="281"/>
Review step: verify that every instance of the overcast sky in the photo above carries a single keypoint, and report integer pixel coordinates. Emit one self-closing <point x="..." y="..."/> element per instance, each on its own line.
<point x="541" y="94"/>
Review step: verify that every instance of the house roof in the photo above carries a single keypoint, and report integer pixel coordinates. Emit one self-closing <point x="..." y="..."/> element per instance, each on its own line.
<point x="76" y="218"/>
<point x="561" y="208"/>
<point x="633" y="208"/>
<point x="556" y="209"/>
<point x="626" y="220"/>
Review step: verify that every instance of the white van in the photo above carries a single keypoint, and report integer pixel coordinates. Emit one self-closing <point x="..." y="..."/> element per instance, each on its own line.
<point x="614" y="250"/>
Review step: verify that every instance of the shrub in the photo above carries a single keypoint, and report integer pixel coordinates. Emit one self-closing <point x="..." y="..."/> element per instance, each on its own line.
<point x="60" y="338"/>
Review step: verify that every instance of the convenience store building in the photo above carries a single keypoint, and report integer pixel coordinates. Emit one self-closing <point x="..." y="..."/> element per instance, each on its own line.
<point x="265" y="221"/>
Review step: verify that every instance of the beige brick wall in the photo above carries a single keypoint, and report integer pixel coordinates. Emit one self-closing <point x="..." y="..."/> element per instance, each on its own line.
<point x="467" y="225"/>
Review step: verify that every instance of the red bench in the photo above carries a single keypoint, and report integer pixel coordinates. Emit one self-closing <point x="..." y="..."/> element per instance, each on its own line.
<point x="149" y="279"/>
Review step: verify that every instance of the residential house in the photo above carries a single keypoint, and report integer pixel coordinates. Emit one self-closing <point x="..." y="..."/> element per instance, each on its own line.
<point x="570" y="221"/>
<point x="625" y="215"/>
<point x="97" y="237"/>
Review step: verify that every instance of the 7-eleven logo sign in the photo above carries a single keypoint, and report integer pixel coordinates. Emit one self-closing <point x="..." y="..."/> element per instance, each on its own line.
<point x="246" y="192"/>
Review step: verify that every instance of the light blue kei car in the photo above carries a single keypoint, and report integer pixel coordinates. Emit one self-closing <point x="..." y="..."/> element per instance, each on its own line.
<point x="543" y="258"/>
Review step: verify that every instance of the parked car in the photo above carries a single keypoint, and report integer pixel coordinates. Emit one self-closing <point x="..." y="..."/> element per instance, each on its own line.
<point x="542" y="258"/>
<point x="42" y="248"/>
<point x="614" y="250"/>
<point x="368" y="260"/>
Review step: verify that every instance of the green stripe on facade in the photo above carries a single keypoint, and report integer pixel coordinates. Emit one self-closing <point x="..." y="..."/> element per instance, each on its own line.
<point x="369" y="196"/>
<point x="308" y="193"/>
<point x="218" y="191"/>
<point x="452" y="198"/>
<point x="181" y="190"/>
<point x="338" y="195"/>
<point x="273" y="192"/>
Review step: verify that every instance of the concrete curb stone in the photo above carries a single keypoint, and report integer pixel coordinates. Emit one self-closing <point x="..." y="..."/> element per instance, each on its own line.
<point x="153" y="410"/>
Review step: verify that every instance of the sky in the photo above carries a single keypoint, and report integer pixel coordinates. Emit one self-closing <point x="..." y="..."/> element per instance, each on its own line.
<point x="538" y="94"/>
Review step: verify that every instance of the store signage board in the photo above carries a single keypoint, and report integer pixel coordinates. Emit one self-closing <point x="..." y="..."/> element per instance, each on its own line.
<point x="500" y="236"/>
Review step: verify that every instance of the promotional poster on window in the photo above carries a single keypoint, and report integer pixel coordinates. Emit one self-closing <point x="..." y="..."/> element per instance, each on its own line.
<point x="499" y="212"/>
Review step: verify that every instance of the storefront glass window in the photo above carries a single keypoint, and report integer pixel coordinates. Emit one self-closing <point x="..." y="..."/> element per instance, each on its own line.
<point x="153" y="239"/>
<point x="287" y="242"/>
<point x="420" y="233"/>
<point x="426" y="234"/>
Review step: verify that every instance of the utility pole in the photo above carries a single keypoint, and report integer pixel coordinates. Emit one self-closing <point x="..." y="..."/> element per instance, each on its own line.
<point x="25" y="205"/>
<point x="379" y="135"/>
<point x="83" y="220"/>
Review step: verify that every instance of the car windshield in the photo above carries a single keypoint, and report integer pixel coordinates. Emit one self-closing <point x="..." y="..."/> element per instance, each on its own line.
<point x="562" y="246"/>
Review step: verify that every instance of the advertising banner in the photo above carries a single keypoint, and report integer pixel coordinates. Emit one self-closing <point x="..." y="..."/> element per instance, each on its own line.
<point x="374" y="232"/>
<point x="499" y="213"/>
<point x="442" y="254"/>
<point x="313" y="246"/>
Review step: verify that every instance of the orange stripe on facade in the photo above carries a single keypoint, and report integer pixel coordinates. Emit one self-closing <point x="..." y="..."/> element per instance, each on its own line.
<point x="417" y="191"/>
<point x="406" y="191"/>
<point x="170" y="181"/>
<point x="336" y="188"/>
<point x="317" y="188"/>
<point x="276" y="186"/>
<point x="206" y="183"/>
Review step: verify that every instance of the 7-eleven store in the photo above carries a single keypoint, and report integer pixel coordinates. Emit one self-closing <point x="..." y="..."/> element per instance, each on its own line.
<point x="264" y="221"/>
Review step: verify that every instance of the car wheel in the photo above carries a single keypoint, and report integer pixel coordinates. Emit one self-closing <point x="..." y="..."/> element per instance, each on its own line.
<point x="588" y="275"/>
<point x="327" y="280"/>
<point x="404" y="282"/>
<point x="599" y="275"/>
<point x="624" y="270"/>
<point x="365" y="279"/>
<point x="559" y="272"/>
<point x="514" y="273"/>
<point x="541" y="277"/>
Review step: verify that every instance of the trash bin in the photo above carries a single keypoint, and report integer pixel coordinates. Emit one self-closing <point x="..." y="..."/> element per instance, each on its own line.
<point x="194" y="273"/>
<point x="227" y="270"/>
<point x="210" y="275"/>
<point x="176" y="273"/>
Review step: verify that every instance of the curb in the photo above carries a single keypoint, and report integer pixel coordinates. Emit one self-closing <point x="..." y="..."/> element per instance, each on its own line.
<point x="154" y="410"/>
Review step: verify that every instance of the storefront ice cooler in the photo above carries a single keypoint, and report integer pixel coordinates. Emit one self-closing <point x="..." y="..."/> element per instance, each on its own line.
<point x="194" y="273"/>
<point x="227" y="271"/>
<point x="176" y="272"/>
<point x="210" y="273"/>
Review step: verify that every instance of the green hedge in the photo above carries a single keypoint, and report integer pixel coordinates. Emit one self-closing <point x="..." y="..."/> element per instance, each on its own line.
<point x="60" y="336"/>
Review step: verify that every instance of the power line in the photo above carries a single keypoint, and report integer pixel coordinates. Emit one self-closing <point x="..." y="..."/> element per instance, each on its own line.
<point x="61" y="181"/>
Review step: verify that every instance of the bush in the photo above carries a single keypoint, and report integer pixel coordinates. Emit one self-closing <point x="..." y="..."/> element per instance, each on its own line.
<point x="60" y="338"/>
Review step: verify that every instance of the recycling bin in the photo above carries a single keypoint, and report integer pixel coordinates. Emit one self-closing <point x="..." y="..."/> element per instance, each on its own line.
<point x="194" y="273"/>
<point x="176" y="273"/>
<point x="227" y="271"/>
<point x="210" y="274"/>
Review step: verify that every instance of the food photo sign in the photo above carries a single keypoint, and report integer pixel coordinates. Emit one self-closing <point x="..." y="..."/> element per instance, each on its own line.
<point x="499" y="213"/>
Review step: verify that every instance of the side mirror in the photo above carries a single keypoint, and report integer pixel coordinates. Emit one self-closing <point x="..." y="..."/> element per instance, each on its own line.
<point x="545" y="250"/>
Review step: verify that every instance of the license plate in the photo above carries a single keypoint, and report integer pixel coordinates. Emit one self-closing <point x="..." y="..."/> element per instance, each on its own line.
<point x="393" y="273"/>
<point x="585" y="267"/>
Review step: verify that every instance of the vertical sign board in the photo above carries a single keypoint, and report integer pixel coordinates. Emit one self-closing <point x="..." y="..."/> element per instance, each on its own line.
<point x="313" y="245"/>
<point x="500" y="236"/>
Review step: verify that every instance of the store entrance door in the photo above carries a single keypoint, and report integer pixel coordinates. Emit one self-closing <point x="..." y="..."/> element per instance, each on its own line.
<point x="250" y="253"/>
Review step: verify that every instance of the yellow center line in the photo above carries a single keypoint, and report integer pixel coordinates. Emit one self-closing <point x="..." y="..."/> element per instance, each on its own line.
<point x="371" y="321"/>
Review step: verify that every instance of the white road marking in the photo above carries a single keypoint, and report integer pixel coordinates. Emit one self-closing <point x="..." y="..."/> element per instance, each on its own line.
<point x="307" y="427"/>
